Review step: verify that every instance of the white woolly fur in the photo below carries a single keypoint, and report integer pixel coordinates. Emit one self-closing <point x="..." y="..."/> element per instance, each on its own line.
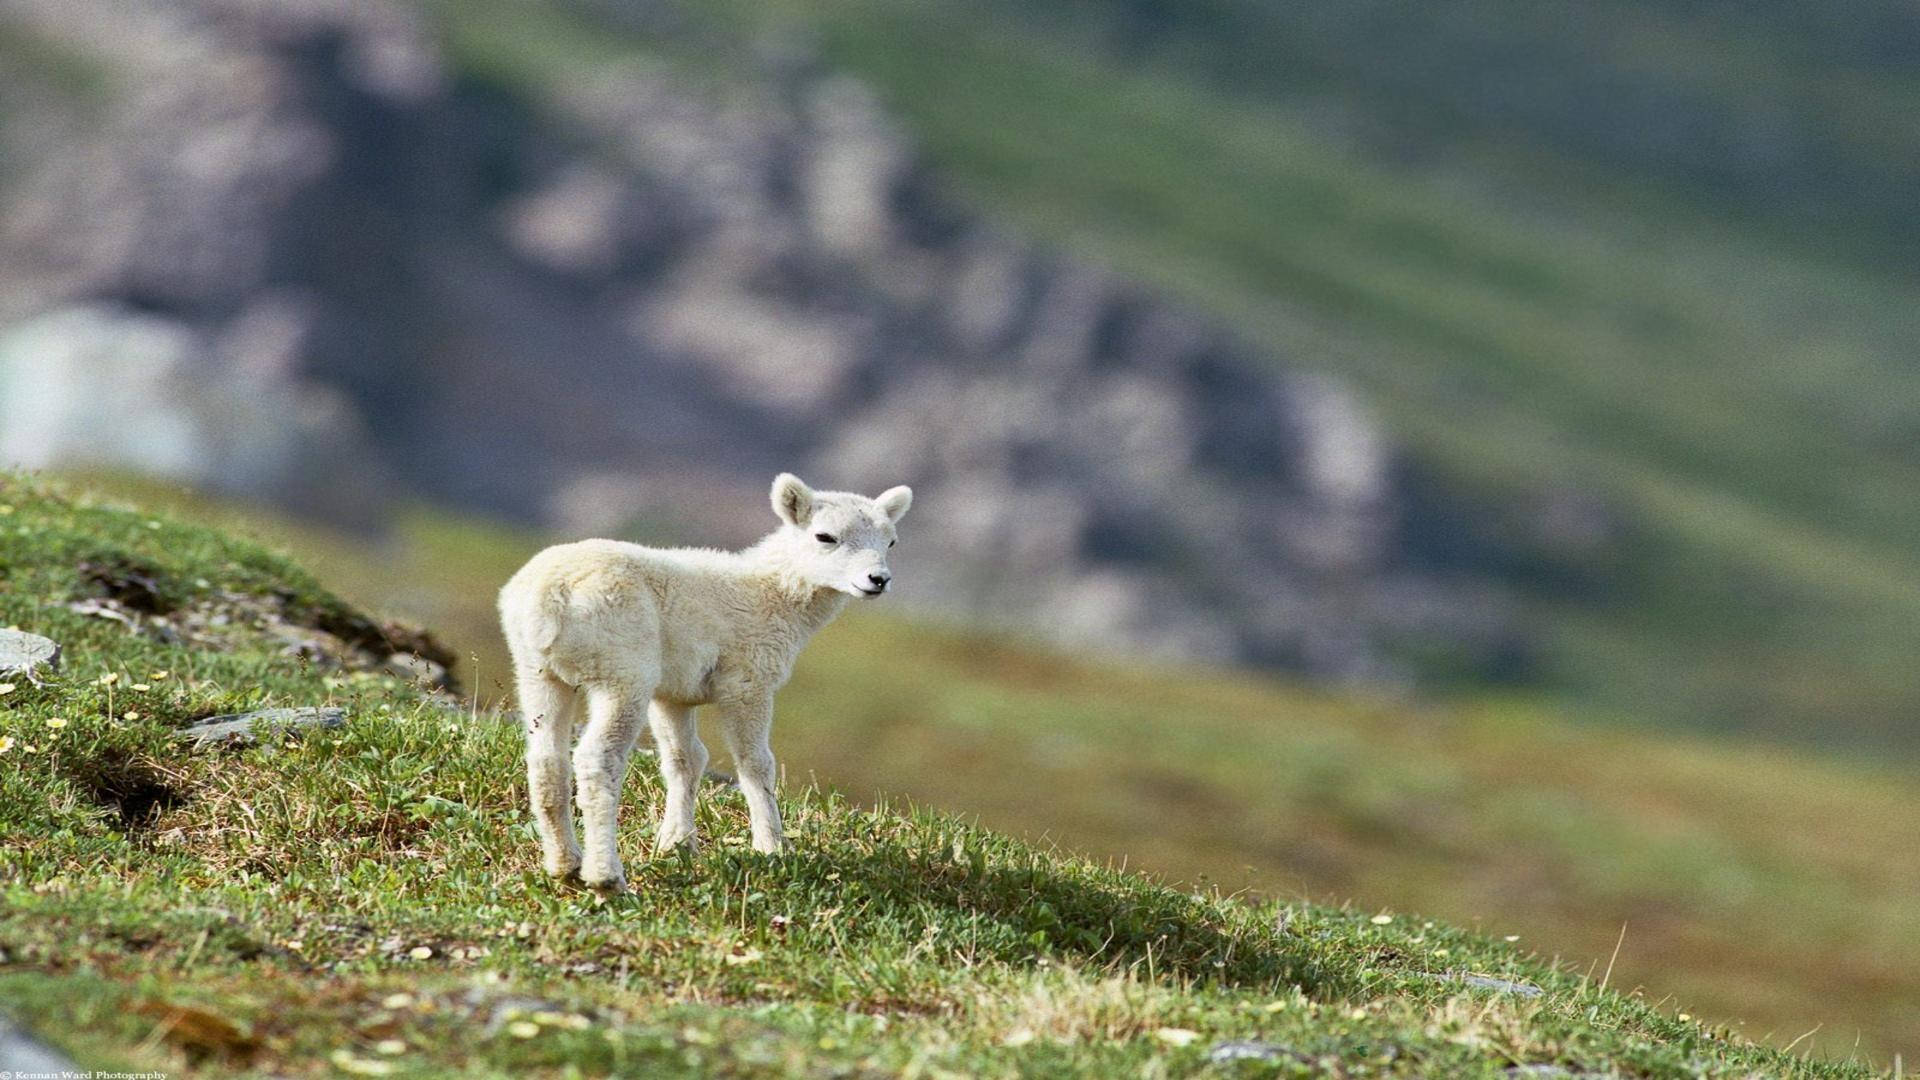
<point x="617" y="630"/>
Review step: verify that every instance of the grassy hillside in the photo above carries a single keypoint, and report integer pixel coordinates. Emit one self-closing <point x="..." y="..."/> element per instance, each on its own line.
<point x="364" y="899"/>
<point x="1758" y="887"/>
<point x="1637" y="250"/>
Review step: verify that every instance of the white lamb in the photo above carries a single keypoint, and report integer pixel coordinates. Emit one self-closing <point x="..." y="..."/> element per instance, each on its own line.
<point x="628" y="628"/>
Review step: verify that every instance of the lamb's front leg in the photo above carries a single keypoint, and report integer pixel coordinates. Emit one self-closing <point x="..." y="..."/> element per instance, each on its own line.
<point x="748" y="728"/>
<point x="600" y="767"/>
<point x="683" y="760"/>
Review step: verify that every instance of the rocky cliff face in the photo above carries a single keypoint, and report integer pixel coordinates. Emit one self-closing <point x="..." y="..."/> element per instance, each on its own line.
<point x="290" y="254"/>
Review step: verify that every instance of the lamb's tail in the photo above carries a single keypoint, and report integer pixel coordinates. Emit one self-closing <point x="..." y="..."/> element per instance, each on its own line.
<point x="532" y="609"/>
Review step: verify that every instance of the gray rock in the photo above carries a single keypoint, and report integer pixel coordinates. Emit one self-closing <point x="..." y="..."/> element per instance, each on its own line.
<point x="104" y="609"/>
<point x="21" y="1053"/>
<point x="27" y="654"/>
<point x="767" y="279"/>
<point x="418" y="670"/>
<point x="1252" y="1050"/>
<point x="101" y="385"/>
<point x="1501" y="986"/>
<point x="247" y="727"/>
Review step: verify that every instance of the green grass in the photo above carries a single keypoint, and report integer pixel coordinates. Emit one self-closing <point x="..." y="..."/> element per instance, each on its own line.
<point x="1754" y="886"/>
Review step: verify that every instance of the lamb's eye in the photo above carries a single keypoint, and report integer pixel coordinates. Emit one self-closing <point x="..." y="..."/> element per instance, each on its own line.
<point x="826" y="538"/>
<point x="890" y="543"/>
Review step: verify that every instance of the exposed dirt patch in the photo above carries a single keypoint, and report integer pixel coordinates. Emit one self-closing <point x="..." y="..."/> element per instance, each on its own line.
<point x="360" y="632"/>
<point x="396" y="830"/>
<point x="130" y="585"/>
<point x="325" y="635"/>
<point x="133" y="789"/>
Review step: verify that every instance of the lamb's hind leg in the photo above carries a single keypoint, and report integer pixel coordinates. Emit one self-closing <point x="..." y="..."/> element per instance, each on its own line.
<point x="548" y="708"/>
<point x="683" y="760"/>
<point x="600" y="768"/>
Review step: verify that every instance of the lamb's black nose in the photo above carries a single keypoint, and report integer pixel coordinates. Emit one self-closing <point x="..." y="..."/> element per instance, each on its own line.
<point x="879" y="580"/>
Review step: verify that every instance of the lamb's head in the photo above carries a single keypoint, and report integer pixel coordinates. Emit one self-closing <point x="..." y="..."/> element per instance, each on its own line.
<point x="836" y="539"/>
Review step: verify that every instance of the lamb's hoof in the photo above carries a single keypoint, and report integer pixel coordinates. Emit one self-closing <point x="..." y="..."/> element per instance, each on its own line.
<point x="563" y="870"/>
<point x="689" y="844"/>
<point x="774" y="847"/>
<point x="614" y="881"/>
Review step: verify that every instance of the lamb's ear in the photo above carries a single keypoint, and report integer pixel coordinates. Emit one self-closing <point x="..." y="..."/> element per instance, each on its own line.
<point x="894" y="502"/>
<point x="792" y="500"/>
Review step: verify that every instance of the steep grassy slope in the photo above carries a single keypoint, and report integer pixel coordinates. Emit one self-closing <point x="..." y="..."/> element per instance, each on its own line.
<point x="1494" y="218"/>
<point x="1753" y="885"/>
<point x="361" y="900"/>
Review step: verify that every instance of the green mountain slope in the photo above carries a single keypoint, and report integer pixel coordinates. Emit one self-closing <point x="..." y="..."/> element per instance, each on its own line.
<point x="362" y="899"/>
<point x="1549" y="243"/>
<point x="1756" y="887"/>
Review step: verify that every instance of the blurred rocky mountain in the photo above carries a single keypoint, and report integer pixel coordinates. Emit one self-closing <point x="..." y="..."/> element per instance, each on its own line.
<point x="277" y="248"/>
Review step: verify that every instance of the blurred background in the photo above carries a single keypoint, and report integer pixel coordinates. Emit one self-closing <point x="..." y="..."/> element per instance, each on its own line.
<point x="1463" y="457"/>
